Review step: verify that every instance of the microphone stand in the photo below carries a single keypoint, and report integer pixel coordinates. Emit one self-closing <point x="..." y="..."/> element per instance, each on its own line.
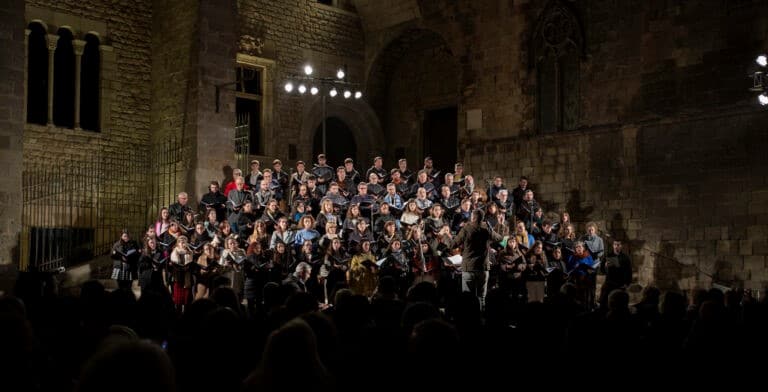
<point x="423" y="266"/>
<point x="421" y="253"/>
<point x="290" y="193"/>
<point x="530" y="216"/>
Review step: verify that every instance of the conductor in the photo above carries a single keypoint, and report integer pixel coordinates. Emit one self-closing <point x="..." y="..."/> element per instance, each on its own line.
<point x="475" y="239"/>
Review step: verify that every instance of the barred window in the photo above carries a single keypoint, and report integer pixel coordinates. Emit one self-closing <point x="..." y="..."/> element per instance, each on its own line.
<point x="64" y="77"/>
<point x="249" y="103"/>
<point x="556" y="49"/>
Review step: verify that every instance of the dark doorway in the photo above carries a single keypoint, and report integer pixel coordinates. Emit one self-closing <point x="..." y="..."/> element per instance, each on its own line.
<point x="340" y="142"/>
<point x="440" y="138"/>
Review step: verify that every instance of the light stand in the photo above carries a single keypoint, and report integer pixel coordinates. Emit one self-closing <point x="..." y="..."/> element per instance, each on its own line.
<point x="759" y="79"/>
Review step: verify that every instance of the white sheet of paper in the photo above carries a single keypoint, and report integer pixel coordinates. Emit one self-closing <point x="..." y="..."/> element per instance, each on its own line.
<point x="455" y="260"/>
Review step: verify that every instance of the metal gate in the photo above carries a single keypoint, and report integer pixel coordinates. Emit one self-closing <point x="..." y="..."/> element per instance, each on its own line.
<point x="167" y="176"/>
<point x="242" y="142"/>
<point x="74" y="210"/>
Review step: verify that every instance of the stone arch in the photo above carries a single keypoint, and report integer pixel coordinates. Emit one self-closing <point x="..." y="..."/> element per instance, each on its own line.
<point x="414" y="73"/>
<point x="389" y="56"/>
<point x="40" y="22"/>
<point x="95" y="34"/>
<point x="68" y="28"/>
<point x="341" y="142"/>
<point x="37" y="73"/>
<point x="356" y="114"/>
<point x="64" y="79"/>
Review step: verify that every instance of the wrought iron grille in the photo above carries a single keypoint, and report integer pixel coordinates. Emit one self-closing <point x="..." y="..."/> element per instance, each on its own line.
<point x="74" y="210"/>
<point x="242" y="142"/>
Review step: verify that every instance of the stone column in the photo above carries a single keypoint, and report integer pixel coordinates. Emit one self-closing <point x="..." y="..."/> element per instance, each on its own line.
<point x="27" y="32"/>
<point x="12" y="119"/>
<point x="108" y="69"/>
<point x="79" y="47"/>
<point x="52" y="40"/>
<point x="215" y="130"/>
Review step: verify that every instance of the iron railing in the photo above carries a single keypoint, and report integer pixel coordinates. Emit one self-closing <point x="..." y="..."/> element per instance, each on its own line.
<point x="242" y="142"/>
<point x="74" y="210"/>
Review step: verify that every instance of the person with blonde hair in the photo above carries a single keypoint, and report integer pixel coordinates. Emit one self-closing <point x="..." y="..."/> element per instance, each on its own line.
<point x="362" y="273"/>
<point x="181" y="259"/>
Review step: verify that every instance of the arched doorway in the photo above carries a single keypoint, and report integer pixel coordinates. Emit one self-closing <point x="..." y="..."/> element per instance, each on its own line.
<point x="340" y="141"/>
<point x="414" y="86"/>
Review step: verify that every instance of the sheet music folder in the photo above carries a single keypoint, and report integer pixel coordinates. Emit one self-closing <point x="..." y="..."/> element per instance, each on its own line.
<point x="455" y="260"/>
<point x="128" y="253"/>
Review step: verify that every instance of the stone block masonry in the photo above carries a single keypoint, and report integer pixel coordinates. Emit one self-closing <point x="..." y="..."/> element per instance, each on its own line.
<point x="295" y="32"/>
<point x="11" y="133"/>
<point x="669" y="150"/>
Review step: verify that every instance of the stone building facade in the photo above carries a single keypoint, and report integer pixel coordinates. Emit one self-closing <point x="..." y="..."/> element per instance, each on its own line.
<point x="635" y="115"/>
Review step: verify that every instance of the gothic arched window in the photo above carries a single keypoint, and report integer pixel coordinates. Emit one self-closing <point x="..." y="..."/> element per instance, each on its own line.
<point x="556" y="50"/>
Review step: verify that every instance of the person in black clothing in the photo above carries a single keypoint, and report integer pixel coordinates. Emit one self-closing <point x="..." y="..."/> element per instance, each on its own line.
<point x="282" y="178"/>
<point x="126" y="254"/>
<point x="178" y="209"/>
<point x="618" y="272"/>
<point x="253" y="178"/>
<point x="526" y="210"/>
<point x="505" y="204"/>
<point x="519" y="192"/>
<point x="556" y="268"/>
<point x="297" y="281"/>
<point x="548" y="237"/>
<point x="352" y="174"/>
<point x="475" y="239"/>
<point x="214" y="200"/>
<point x="323" y="173"/>
<point x="405" y="174"/>
<point x="378" y="169"/>
<point x="433" y="175"/>
<point x="493" y="190"/>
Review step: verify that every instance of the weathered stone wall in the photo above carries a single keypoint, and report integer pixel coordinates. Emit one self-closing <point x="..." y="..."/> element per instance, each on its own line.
<point x="128" y="84"/>
<point x="175" y="57"/>
<point x="11" y="129"/>
<point x="667" y="150"/>
<point x="215" y="133"/>
<point x="424" y="77"/>
<point x="296" y="32"/>
<point x="93" y="180"/>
